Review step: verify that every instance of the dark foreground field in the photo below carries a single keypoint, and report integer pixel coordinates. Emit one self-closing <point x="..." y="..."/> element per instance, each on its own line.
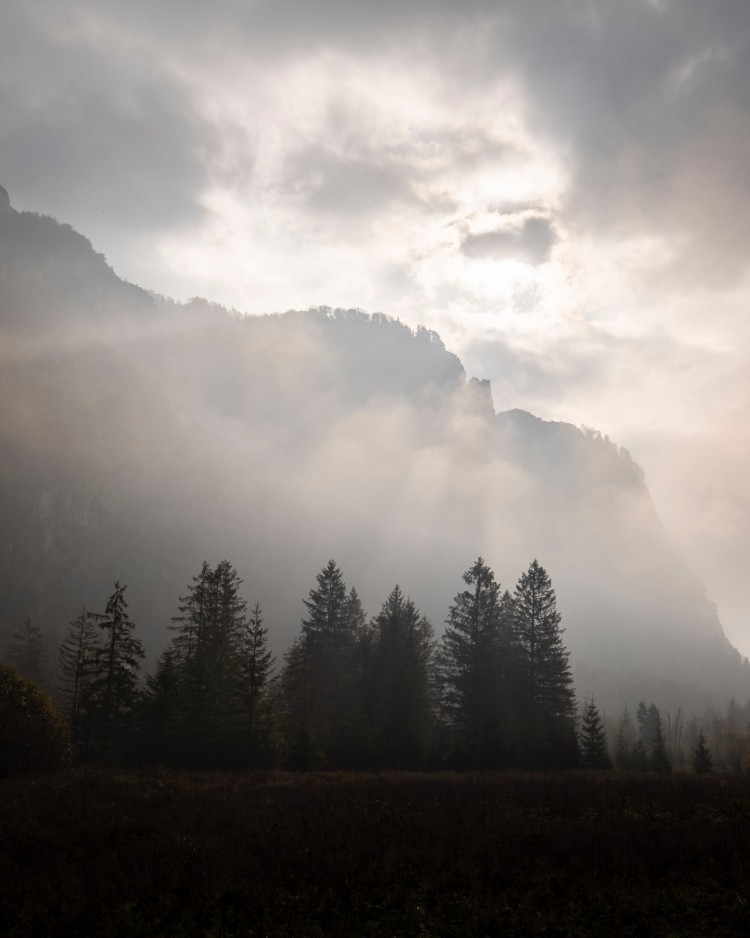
<point x="165" y="853"/>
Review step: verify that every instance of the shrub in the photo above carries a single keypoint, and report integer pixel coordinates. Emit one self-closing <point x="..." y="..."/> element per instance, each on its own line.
<point x="33" y="735"/>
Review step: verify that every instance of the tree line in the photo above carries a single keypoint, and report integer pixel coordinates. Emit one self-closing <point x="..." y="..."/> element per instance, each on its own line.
<point x="494" y="691"/>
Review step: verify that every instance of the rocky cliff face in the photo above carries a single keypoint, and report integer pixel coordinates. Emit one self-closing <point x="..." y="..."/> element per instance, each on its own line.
<point x="139" y="437"/>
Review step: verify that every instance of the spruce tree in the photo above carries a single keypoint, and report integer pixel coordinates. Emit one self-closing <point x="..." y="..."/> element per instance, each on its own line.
<point x="702" y="760"/>
<point x="79" y="655"/>
<point x="624" y="741"/>
<point x="545" y="690"/>
<point x="208" y="649"/>
<point x="399" y="707"/>
<point x="114" y="689"/>
<point x="327" y="622"/>
<point x="257" y="666"/>
<point x="321" y="680"/>
<point x="593" y="739"/>
<point x="472" y="668"/>
<point x="652" y="738"/>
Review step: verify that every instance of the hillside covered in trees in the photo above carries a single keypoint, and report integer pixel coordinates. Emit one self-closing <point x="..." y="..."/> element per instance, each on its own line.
<point x="140" y="436"/>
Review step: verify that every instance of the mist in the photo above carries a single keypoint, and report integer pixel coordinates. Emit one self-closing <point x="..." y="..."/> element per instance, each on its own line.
<point x="144" y="436"/>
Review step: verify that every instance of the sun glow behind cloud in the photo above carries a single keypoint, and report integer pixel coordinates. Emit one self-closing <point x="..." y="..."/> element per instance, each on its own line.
<point x="564" y="196"/>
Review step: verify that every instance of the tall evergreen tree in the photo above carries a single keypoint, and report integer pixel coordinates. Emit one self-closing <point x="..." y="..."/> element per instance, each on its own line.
<point x="257" y="667"/>
<point x="399" y="710"/>
<point x="658" y="757"/>
<point x="321" y="680"/>
<point x="327" y="621"/>
<point x="79" y="655"/>
<point x="472" y="667"/>
<point x="651" y="738"/>
<point x="114" y="689"/>
<point x="545" y="688"/>
<point x="624" y="741"/>
<point x="593" y="739"/>
<point x="208" y="657"/>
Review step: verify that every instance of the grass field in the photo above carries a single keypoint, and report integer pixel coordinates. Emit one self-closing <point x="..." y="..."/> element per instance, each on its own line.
<point x="156" y="852"/>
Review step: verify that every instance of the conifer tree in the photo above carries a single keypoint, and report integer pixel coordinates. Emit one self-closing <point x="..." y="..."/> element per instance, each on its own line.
<point x="702" y="760"/>
<point x="79" y="655"/>
<point x="472" y="667"/>
<point x="321" y="681"/>
<point x="115" y="686"/>
<point x="624" y="741"/>
<point x="208" y="657"/>
<point x="355" y="613"/>
<point x="257" y="666"/>
<point x="652" y="740"/>
<point x="593" y="739"/>
<point x="652" y="748"/>
<point x="399" y="707"/>
<point x="327" y="621"/>
<point x="546" y="693"/>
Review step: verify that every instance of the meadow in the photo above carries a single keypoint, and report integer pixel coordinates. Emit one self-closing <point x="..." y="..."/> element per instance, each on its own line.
<point x="107" y="852"/>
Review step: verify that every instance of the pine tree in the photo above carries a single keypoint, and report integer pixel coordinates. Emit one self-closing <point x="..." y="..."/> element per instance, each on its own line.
<point x="355" y="614"/>
<point x="115" y="687"/>
<point x="79" y="655"/>
<point x="472" y="668"/>
<point x="624" y="742"/>
<point x="27" y="653"/>
<point x="546" y="694"/>
<point x="646" y="727"/>
<point x="208" y="655"/>
<point x="257" y="666"/>
<point x="399" y="704"/>
<point x="321" y="680"/>
<point x="702" y="760"/>
<point x="327" y="621"/>
<point x="652" y="737"/>
<point x="593" y="739"/>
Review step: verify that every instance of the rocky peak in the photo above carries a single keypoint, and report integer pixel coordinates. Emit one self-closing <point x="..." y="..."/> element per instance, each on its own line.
<point x="5" y="206"/>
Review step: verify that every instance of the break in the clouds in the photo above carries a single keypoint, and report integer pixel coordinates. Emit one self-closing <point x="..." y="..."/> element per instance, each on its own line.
<point x="560" y="188"/>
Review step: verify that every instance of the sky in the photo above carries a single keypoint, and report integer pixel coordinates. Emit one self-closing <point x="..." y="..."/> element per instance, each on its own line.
<point x="560" y="189"/>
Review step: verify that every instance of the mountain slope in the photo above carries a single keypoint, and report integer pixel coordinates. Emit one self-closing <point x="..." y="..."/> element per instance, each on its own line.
<point x="140" y="436"/>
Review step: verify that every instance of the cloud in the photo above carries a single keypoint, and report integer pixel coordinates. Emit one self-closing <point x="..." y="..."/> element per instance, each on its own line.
<point x="97" y="135"/>
<point x="532" y="241"/>
<point x="560" y="185"/>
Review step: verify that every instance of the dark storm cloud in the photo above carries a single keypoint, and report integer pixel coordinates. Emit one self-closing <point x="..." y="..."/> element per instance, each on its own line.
<point x="95" y="134"/>
<point x="651" y="101"/>
<point x="648" y="99"/>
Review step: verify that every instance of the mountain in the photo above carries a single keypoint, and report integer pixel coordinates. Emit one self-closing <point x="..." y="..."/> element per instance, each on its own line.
<point x="139" y="436"/>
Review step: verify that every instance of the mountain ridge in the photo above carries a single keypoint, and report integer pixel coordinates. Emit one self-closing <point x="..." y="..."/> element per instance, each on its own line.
<point x="144" y="435"/>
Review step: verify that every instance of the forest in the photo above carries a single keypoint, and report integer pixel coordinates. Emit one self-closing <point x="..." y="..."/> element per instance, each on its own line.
<point x="495" y="691"/>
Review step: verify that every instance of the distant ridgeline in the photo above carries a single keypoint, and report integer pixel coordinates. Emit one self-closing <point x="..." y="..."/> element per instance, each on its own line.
<point x="139" y="436"/>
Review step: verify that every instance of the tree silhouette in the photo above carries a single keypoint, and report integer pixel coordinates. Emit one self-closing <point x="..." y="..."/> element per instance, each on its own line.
<point x="399" y="705"/>
<point x="472" y="666"/>
<point x="321" y="681"/>
<point x="545" y="685"/>
<point x="593" y="739"/>
<point x="79" y="653"/>
<point x="115" y="686"/>
<point x="624" y="741"/>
